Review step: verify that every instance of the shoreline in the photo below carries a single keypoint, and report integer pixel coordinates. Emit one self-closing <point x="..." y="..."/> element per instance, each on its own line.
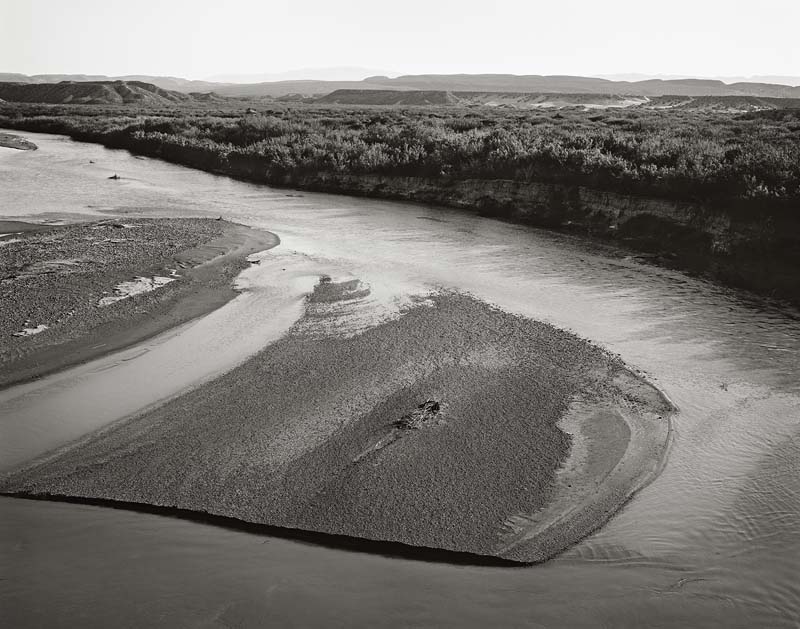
<point x="341" y="542"/>
<point x="725" y="246"/>
<point x="324" y="460"/>
<point x="207" y="270"/>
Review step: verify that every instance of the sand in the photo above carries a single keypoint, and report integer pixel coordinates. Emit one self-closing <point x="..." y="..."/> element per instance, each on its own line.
<point x="67" y="279"/>
<point x="307" y="434"/>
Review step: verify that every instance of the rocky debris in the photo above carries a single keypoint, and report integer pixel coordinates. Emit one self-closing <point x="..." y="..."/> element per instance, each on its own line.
<point x="417" y="418"/>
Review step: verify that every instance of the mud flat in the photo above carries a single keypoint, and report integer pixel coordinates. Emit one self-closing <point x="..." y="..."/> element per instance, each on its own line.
<point x="453" y="426"/>
<point x="71" y="293"/>
<point x="11" y="141"/>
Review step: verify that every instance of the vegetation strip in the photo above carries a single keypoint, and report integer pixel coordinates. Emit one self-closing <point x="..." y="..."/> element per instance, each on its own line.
<point x="701" y="189"/>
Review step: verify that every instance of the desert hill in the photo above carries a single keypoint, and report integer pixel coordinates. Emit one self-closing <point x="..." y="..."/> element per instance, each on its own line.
<point x="521" y="100"/>
<point x="93" y="92"/>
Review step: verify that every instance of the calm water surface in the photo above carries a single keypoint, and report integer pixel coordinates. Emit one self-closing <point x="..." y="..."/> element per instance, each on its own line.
<point x="714" y="541"/>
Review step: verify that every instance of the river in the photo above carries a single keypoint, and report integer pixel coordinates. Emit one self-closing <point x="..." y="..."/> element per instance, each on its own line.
<point x="713" y="541"/>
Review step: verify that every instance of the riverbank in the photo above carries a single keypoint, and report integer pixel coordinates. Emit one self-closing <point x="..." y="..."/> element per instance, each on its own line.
<point x="748" y="243"/>
<point x="736" y="247"/>
<point x="433" y="429"/>
<point x="71" y="293"/>
<point x="11" y="141"/>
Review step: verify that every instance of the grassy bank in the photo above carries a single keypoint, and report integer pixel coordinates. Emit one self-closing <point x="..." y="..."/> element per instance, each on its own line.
<point x="706" y="191"/>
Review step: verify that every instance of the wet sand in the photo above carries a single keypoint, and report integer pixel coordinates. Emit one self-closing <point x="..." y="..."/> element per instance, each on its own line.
<point x="618" y="447"/>
<point x="55" y="280"/>
<point x="307" y="434"/>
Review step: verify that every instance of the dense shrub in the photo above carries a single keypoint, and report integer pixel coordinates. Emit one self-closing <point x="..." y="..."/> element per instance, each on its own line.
<point x="711" y="156"/>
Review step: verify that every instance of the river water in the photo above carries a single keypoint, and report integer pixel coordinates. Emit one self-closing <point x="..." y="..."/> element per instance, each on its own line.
<point x="713" y="541"/>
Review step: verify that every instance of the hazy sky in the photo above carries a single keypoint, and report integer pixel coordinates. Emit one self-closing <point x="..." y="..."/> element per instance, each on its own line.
<point x="201" y="38"/>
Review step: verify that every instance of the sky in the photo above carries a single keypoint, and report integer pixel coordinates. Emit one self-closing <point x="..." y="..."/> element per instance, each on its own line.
<point x="205" y="38"/>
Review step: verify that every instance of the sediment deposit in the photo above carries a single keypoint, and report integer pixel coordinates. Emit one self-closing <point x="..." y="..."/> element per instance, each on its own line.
<point x="439" y="428"/>
<point x="60" y="285"/>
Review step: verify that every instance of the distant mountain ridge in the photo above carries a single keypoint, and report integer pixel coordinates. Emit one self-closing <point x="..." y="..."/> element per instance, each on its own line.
<point x="581" y="84"/>
<point x="778" y="79"/>
<point x="496" y="83"/>
<point x="506" y="83"/>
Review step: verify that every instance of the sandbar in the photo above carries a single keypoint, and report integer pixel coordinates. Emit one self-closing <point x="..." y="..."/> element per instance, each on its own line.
<point x="454" y="426"/>
<point x="66" y="278"/>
